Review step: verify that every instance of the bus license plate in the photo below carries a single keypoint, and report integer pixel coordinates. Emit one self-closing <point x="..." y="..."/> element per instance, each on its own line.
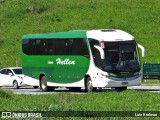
<point x="124" y="83"/>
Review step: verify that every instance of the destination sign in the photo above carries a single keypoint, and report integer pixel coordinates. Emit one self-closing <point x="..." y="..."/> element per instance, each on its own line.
<point x="151" y="71"/>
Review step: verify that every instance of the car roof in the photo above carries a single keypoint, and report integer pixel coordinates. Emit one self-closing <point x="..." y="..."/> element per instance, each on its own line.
<point x="12" y="68"/>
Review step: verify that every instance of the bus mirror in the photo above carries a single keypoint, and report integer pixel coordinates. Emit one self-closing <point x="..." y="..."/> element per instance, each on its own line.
<point x="100" y="50"/>
<point x="142" y="49"/>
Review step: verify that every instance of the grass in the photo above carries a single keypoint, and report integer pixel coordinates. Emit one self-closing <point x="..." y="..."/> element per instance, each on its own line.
<point x="139" y="18"/>
<point x="153" y="82"/>
<point x="129" y="100"/>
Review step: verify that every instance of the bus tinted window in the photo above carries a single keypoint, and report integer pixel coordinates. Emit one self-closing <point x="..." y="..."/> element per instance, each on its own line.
<point x="95" y="52"/>
<point x="76" y="46"/>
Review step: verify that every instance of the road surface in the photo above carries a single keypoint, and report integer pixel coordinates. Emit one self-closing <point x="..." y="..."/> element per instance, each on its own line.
<point x="31" y="90"/>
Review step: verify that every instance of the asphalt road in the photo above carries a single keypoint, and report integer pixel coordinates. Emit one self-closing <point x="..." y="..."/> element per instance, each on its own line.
<point x="31" y="90"/>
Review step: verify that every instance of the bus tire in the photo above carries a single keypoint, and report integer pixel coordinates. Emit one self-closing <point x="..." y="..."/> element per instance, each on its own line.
<point x="43" y="84"/>
<point x="120" y="89"/>
<point x="88" y="85"/>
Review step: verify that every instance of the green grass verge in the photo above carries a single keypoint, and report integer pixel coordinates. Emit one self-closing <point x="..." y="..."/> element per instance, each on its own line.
<point x="152" y="82"/>
<point x="129" y="100"/>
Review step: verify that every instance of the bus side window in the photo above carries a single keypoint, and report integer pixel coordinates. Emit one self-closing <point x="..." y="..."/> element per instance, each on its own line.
<point x="76" y="46"/>
<point x="95" y="53"/>
<point x="39" y="47"/>
<point x="85" y="51"/>
<point x="97" y="58"/>
<point x="72" y="46"/>
<point x="28" y="46"/>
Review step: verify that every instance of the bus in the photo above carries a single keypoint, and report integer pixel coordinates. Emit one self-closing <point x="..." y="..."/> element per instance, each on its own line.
<point x="90" y="59"/>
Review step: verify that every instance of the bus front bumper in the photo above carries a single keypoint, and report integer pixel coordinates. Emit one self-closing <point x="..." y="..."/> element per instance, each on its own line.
<point x="124" y="83"/>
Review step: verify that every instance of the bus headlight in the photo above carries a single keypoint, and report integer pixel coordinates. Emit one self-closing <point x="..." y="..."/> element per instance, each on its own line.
<point x="137" y="74"/>
<point x="113" y="78"/>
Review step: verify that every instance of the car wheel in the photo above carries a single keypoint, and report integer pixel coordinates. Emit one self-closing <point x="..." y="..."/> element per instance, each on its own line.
<point x="43" y="84"/>
<point x="15" y="84"/>
<point x="88" y="85"/>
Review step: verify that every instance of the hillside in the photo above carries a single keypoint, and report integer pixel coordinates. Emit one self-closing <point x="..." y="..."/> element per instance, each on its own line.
<point x="141" y="18"/>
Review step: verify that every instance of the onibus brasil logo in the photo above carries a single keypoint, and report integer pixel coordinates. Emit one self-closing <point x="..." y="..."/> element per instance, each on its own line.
<point x="65" y="61"/>
<point x="16" y="115"/>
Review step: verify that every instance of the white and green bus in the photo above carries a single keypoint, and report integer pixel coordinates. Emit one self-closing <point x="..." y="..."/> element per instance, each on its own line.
<point x="81" y="58"/>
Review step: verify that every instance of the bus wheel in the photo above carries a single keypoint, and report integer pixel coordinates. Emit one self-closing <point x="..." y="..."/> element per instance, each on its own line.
<point x="88" y="85"/>
<point x="43" y="84"/>
<point x="119" y="89"/>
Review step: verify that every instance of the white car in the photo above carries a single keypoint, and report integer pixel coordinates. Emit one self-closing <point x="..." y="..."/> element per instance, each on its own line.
<point x="11" y="77"/>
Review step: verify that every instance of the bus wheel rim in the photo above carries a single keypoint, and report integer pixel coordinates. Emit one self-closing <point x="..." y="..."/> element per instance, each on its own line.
<point x="43" y="84"/>
<point x="89" y="86"/>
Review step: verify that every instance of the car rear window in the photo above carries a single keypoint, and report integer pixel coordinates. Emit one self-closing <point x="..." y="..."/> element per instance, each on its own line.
<point x="17" y="71"/>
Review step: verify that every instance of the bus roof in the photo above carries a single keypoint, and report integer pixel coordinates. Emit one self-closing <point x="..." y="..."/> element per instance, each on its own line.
<point x="109" y="35"/>
<point x="69" y="34"/>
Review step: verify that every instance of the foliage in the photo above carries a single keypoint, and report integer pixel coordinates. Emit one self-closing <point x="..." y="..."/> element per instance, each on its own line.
<point x="139" y="18"/>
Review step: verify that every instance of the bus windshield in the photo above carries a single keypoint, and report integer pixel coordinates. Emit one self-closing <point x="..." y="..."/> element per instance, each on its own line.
<point x="121" y="57"/>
